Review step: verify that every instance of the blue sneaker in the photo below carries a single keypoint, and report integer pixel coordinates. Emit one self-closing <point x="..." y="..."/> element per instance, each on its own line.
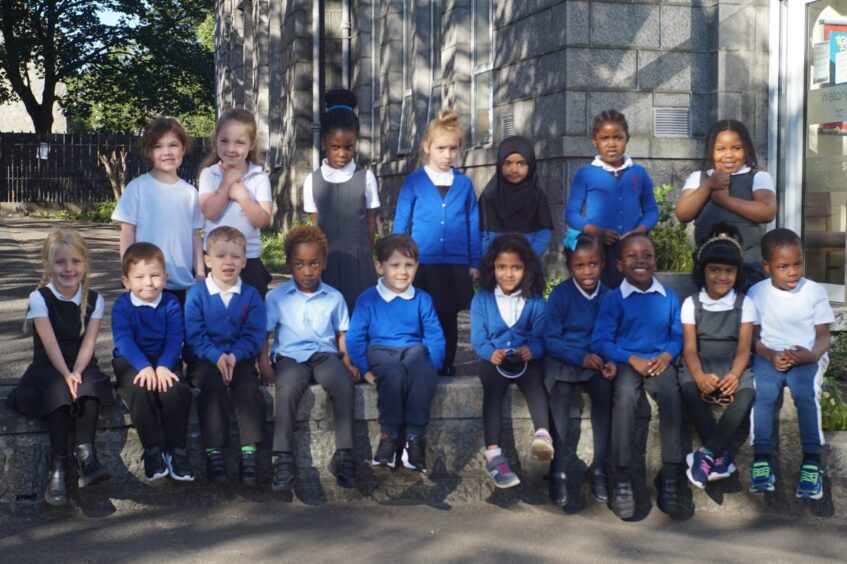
<point x="722" y="468"/>
<point x="499" y="470"/>
<point x="761" y="477"/>
<point x="700" y="465"/>
<point x="810" y="484"/>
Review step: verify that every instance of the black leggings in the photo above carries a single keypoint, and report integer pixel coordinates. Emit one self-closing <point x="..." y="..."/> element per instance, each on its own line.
<point x="600" y="391"/>
<point x="450" y="325"/>
<point x="83" y="421"/>
<point x="716" y="436"/>
<point x="494" y="388"/>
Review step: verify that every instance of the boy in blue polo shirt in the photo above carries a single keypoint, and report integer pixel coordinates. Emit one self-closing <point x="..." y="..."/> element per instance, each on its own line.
<point x="224" y="329"/>
<point x="639" y="327"/>
<point x="395" y="340"/>
<point x="307" y="320"/>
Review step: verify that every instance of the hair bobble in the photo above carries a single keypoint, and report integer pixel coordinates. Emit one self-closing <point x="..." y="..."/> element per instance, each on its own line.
<point x="339" y="107"/>
<point x="571" y="239"/>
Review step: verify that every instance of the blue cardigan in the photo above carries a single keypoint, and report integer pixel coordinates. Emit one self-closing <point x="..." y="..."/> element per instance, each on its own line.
<point x="141" y="333"/>
<point x="212" y="329"/>
<point x="538" y="240"/>
<point x="570" y="322"/>
<point x="489" y="332"/>
<point x="446" y="230"/>
<point x="596" y="197"/>
<point x="398" y="323"/>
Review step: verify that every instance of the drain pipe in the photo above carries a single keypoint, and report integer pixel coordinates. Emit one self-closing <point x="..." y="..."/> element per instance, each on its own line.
<point x="316" y="84"/>
<point x="346" y="31"/>
<point x="375" y="51"/>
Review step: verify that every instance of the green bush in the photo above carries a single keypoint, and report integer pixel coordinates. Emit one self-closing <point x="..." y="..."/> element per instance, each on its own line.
<point x="273" y="251"/>
<point x="96" y="213"/>
<point x="673" y="245"/>
<point x="833" y="407"/>
<point x="551" y="283"/>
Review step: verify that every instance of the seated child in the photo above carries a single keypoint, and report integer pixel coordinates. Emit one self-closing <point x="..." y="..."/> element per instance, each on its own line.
<point x="507" y="332"/>
<point x="717" y="329"/>
<point x="571" y="313"/>
<point x="793" y="317"/>
<point x="638" y="327"/>
<point x="307" y="320"/>
<point x="395" y="340"/>
<point x="224" y="328"/>
<point x="147" y="327"/>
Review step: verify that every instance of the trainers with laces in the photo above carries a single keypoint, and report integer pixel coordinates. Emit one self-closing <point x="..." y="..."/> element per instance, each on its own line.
<point x="154" y="464"/>
<point x="723" y="467"/>
<point x="344" y="468"/>
<point x="248" y="468"/>
<point x="414" y="454"/>
<point x="761" y="477"/>
<point x="386" y="451"/>
<point x="215" y="467"/>
<point x="810" y="485"/>
<point x="283" y="472"/>
<point x="498" y="469"/>
<point x="179" y="465"/>
<point x="542" y="445"/>
<point x="700" y="465"/>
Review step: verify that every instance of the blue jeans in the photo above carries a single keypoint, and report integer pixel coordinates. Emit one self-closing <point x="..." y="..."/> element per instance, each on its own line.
<point x="804" y="381"/>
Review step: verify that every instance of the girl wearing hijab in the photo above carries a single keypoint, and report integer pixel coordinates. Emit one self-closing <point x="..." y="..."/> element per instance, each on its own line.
<point x="512" y="201"/>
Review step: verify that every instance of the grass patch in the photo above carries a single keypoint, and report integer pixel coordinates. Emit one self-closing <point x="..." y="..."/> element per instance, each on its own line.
<point x="93" y="213"/>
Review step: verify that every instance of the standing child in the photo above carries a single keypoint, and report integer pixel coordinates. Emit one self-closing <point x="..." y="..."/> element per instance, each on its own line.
<point x="638" y="327"/>
<point x="571" y="313"/>
<point x="437" y="206"/>
<point x="717" y="328"/>
<point x="147" y="326"/>
<point x="396" y="342"/>
<point x="612" y="196"/>
<point x="160" y="208"/>
<point x="791" y="350"/>
<point x="342" y="200"/>
<point x="224" y="328"/>
<point x="236" y="192"/>
<point x="729" y="189"/>
<point x="307" y="320"/>
<point x="63" y="384"/>
<point x="507" y="328"/>
<point x="512" y="201"/>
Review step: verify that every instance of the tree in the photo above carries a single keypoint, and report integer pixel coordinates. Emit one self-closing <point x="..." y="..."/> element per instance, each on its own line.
<point x="55" y="39"/>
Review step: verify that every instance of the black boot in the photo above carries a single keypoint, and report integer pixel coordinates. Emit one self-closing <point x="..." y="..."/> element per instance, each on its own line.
<point x="344" y="468"/>
<point x="597" y="481"/>
<point x="667" y="498"/>
<point x="89" y="469"/>
<point x="57" y="490"/>
<point x="558" y="488"/>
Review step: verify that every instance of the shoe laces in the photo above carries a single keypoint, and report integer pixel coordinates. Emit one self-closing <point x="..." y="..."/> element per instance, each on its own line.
<point x="809" y="474"/>
<point x="706" y="464"/>
<point x="722" y="460"/>
<point x="761" y="470"/>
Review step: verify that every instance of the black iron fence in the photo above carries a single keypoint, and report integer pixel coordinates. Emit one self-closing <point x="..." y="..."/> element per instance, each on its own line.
<point x="62" y="168"/>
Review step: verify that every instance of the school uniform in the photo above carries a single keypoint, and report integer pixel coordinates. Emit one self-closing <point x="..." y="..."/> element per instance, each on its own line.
<point x="399" y="339"/>
<point x="787" y="319"/>
<point x="258" y="187"/>
<point x="619" y="199"/>
<point x="305" y="348"/>
<point x="151" y="334"/>
<point x="342" y="198"/>
<point x="222" y="322"/>
<point x="645" y="323"/>
<point x="571" y="314"/>
<point x="501" y="321"/>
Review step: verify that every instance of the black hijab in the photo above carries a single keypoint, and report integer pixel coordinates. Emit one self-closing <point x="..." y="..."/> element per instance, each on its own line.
<point x="510" y="208"/>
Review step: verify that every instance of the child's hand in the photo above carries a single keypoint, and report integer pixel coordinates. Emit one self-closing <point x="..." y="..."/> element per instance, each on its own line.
<point x="525" y="353"/>
<point x="237" y="192"/>
<point x="729" y="383"/>
<point x="474" y="274"/>
<point x="73" y="380"/>
<point x="226" y="366"/>
<point x="593" y="362"/>
<point x="146" y="379"/>
<point x="370" y="377"/>
<point x="659" y="364"/>
<point x="266" y="371"/>
<point x="354" y="372"/>
<point x="640" y="365"/>
<point x="708" y="383"/>
<point x="166" y="378"/>
<point x="800" y="355"/>
<point x="718" y="181"/>
<point x="231" y="176"/>
<point x="497" y="357"/>
<point x="610" y="370"/>
<point x="781" y="361"/>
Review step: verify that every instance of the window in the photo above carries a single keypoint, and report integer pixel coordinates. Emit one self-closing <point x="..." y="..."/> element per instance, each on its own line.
<point x="435" y="33"/>
<point x="407" y="114"/>
<point x="482" y="59"/>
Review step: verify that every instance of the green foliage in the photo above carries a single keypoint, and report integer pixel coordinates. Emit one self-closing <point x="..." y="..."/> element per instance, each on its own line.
<point x="273" y="251"/>
<point x="837" y="369"/>
<point x="551" y="283"/>
<point x="673" y="245"/>
<point x="93" y="213"/>
<point x="833" y="407"/>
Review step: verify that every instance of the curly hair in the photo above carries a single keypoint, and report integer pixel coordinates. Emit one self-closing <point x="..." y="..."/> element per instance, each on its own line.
<point x="777" y="239"/>
<point x="302" y="235"/>
<point x="533" y="279"/>
<point x="340" y="112"/>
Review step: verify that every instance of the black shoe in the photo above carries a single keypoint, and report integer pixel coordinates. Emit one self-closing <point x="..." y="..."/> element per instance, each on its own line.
<point x="57" y="490"/>
<point x="597" y="482"/>
<point x="88" y="468"/>
<point x="559" y="488"/>
<point x="216" y="467"/>
<point x="666" y="495"/>
<point x="386" y="451"/>
<point x="623" y="499"/>
<point x="154" y="464"/>
<point x="283" y="478"/>
<point x="344" y="469"/>
<point x="179" y="465"/>
<point x="414" y="455"/>
<point x="248" y="470"/>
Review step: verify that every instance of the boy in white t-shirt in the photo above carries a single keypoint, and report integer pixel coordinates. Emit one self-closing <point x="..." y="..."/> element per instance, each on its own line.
<point x="793" y="317"/>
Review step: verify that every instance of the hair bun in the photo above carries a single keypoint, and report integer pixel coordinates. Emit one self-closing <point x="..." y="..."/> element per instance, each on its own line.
<point x="340" y="97"/>
<point x="448" y="117"/>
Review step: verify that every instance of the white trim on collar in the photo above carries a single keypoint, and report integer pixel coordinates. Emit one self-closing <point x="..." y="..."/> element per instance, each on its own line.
<point x="213" y="287"/>
<point x="585" y="294"/>
<point x="389" y="295"/>
<point x="138" y="302"/>
<point x="76" y="298"/>
<point x="627" y="162"/>
<point x="628" y="289"/>
<point x="727" y="299"/>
